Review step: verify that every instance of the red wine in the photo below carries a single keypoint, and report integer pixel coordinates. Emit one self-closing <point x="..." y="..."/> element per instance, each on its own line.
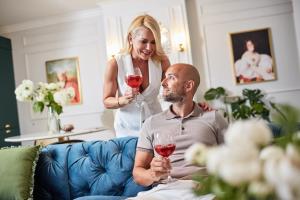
<point x="165" y="150"/>
<point x="134" y="81"/>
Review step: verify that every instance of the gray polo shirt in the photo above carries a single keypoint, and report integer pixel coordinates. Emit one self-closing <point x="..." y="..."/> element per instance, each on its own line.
<point x="204" y="127"/>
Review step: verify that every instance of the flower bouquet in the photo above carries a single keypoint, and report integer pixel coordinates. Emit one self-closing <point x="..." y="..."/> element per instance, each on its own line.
<point x="50" y="95"/>
<point x="252" y="164"/>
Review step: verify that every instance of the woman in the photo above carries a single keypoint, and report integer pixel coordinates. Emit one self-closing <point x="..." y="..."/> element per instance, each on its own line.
<point x="253" y="66"/>
<point x="143" y="50"/>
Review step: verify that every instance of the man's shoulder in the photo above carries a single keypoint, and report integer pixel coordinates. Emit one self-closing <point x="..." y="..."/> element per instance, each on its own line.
<point x="213" y="115"/>
<point x="157" y="117"/>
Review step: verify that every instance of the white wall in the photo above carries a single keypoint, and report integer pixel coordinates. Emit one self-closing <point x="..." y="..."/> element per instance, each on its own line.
<point x="210" y="21"/>
<point x="80" y="37"/>
<point x="296" y="8"/>
<point x="217" y="18"/>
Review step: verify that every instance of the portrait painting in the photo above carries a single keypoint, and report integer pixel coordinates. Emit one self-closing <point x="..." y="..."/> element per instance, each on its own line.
<point x="65" y="70"/>
<point x="252" y="57"/>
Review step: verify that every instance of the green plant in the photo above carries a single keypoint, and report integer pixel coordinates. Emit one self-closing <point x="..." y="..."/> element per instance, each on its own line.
<point x="252" y="103"/>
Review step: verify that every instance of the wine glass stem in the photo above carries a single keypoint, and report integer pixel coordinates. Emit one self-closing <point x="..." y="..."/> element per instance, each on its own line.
<point x="169" y="178"/>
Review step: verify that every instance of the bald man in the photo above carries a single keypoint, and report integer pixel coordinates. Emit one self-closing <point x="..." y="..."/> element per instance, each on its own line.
<point x="188" y="123"/>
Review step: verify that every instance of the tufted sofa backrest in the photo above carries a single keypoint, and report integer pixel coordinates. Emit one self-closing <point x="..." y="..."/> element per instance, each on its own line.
<point x="68" y="171"/>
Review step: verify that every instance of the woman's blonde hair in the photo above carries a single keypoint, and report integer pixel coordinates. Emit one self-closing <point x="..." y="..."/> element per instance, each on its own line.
<point x="150" y="23"/>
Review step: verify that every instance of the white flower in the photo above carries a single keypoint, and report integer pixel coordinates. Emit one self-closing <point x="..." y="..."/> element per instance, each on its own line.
<point x="62" y="97"/>
<point x="46" y="94"/>
<point x="284" y="175"/>
<point x="253" y="131"/>
<point x="237" y="173"/>
<point x="260" y="189"/>
<point x="53" y="86"/>
<point x="293" y="154"/>
<point x="215" y="157"/>
<point x="196" y="154"/>
<point x="271" y="152"/>
<point x="24" y="92"/>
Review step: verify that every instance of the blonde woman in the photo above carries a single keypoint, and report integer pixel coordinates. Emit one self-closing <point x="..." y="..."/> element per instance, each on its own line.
<point x="143" y="50"/>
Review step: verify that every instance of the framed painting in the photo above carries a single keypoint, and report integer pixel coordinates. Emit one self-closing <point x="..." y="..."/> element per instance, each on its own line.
<point x="252" y="57"/>
<point x="65" y="70"/>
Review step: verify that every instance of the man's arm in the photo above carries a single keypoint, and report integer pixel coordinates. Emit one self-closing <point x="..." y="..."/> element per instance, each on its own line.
<point x="148" y="169"/>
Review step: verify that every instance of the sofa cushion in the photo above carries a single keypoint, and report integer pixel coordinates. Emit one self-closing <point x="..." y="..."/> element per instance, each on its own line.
<point x="17" y="165"/>
<point x="103" y="168"/>
<point x="51" y="174"/>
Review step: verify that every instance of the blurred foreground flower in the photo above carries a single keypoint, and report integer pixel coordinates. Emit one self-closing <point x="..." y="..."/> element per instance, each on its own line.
<point x="247" y="166"/>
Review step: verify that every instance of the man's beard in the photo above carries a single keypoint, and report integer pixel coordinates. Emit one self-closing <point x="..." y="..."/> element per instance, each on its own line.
<point x="174" y="97"/>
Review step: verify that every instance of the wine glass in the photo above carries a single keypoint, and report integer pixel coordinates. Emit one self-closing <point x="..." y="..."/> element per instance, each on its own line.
<point x="164" y="145"/>
<point x="134" y="80"/>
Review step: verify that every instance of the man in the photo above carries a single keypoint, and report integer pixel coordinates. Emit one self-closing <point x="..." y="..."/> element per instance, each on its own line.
<point x="193" y="125"/>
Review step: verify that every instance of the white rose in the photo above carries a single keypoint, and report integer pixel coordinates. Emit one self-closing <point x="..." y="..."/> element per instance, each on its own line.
<point x="24" y="92"/>
<point x="260" y="189"/>
<point x="284" y="176"/>
<point x="271" y="152"/>
<point x="290" y="174"/>
<point x="243" y="153"/>
<point x="215" y="157"/>
<point x="293" y="154"/>
<point x="237" y="173"/>
<point x="253" y="130"/>
<point x="196" y="154"/>
<point x="53" y="86"/>
<point x="271" y="171"/>
<point x="60" y="97"/>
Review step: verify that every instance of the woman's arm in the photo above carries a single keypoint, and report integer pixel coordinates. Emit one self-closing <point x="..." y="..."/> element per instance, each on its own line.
<point x="111" y="99"/>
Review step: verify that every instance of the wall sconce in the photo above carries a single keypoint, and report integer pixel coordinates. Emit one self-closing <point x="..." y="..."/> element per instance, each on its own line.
<point x="179" y="41"/>
<point x="112" y="49"/>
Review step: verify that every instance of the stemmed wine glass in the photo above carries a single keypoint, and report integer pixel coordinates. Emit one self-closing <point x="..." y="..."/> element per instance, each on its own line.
<point x="134" y="80"/>
<point x="164" y="145"/>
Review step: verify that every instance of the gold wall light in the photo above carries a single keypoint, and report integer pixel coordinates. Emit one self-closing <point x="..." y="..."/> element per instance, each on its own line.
<point x="179" y="41"/>
<point x="112" y="49"/>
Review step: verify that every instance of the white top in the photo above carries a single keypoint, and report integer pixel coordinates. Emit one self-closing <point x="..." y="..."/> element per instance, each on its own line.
<point x="129" y="118"/>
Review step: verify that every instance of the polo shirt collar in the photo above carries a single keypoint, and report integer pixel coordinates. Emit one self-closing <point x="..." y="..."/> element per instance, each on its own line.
<point x="196" y="112"/>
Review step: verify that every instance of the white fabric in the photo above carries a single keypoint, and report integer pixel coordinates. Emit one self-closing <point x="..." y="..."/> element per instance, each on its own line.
<point x="129" y="118"/>
<point x="178" y="190"/>
<point x="252" y="66"/>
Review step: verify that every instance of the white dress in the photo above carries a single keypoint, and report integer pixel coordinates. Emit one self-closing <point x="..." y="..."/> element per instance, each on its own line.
<point x="129" y="118"/>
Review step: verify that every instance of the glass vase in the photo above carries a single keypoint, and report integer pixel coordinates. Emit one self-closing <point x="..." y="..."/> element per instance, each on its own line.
<point x="53" y="121"/>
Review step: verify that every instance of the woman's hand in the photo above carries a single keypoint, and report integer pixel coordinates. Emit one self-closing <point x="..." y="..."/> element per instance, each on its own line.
<point x="126" y="99"/>
<point x="159" y="168"/>
<point x="205" y="106"/>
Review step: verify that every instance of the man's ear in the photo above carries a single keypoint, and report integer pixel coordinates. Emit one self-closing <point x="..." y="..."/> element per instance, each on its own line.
<point x="189" y="85"/>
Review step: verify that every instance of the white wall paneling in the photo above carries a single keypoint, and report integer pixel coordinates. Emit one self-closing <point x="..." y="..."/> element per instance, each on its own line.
<point x="296" y="8"/>
<point x="79" y="38"/>
<point x="171" y="13"/>
<point x="220" y="18"/>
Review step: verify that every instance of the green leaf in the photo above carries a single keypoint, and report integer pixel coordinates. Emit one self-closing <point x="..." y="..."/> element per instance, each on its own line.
<point x="38" y="106"/>
<point x="214" y="93"/>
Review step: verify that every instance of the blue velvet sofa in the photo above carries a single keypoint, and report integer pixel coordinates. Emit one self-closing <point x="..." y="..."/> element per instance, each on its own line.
<point x="99" y="170"/>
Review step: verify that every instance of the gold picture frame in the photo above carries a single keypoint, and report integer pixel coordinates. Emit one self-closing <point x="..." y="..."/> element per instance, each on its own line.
<point x="252" y="56"/>
<point x="67" y="71"/>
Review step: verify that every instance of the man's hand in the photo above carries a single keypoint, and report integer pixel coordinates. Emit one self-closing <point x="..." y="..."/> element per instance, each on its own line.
<point x="159" y="168"/>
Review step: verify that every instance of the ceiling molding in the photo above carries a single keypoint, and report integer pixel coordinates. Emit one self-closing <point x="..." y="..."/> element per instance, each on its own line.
<point x="51" y="20"/>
